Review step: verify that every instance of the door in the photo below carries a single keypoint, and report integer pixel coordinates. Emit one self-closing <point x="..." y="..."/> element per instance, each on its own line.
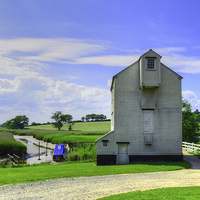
<point x="123" y="154"/>
<point x="147" y="121"/>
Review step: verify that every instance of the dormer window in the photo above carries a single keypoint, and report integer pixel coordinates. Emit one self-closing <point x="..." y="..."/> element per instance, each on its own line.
<point x="150" y="63"/>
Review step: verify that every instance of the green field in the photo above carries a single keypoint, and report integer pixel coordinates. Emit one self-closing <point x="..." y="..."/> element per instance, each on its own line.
<point x="79" y="126"/>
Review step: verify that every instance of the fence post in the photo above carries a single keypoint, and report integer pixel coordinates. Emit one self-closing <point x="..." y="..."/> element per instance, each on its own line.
<point x="39" y="152"/>
<point x="192" y="147"/>
<point x="185" y="146"/>
<point x="46" y="148"/>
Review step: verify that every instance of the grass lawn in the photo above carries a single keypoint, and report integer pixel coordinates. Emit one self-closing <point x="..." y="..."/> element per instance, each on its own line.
<point x="164" y="193"/>
<point x="44" y="172"/>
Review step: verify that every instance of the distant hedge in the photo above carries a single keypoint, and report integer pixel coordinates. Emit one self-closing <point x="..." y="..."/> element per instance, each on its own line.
<point x="8" y="145"/>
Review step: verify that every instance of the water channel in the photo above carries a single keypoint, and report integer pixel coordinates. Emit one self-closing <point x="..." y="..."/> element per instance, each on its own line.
<point x="35" y="154"/>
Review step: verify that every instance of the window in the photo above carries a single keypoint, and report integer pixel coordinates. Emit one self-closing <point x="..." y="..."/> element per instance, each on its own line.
<point x="105" y="143"/>
<point x="150" y="63"/>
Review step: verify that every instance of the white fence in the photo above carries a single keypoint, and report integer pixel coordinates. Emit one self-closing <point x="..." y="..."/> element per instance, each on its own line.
<point x="192" y="147"/>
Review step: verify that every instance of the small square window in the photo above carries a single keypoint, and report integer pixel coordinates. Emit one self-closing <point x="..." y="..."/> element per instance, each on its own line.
<point x="105" y="143"/>
<point x="150" y="63"/>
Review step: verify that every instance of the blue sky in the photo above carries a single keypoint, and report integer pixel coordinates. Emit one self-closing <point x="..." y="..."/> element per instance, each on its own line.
<point x="62" y="54"/>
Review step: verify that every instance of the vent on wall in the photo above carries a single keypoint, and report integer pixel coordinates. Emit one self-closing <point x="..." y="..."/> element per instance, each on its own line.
<point x="148" y="139"/>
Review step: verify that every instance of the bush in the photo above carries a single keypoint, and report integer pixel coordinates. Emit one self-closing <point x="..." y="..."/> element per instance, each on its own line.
<point x="83" y="152"/>
<point x="2" y="164"/>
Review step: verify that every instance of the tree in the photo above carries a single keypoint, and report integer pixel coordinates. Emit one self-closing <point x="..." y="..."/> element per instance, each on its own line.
<point x="87" y="117"/>
<point x="19" y="122"/>
<point x="95" y="117"/>
<point x="67" y="118"/>
<point x="198" y="117"/>
<point x="57" y="116"/>
<point x="70" y="125"/>
<point x="83" y="118"/>
<point x="196" y="111"/>
<point x="60" y="119"/>
<point x="189" y="124"/>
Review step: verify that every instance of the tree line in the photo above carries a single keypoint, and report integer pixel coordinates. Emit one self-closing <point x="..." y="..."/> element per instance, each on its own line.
<point x="94" y="117"/>
<point x="19" y="122"/>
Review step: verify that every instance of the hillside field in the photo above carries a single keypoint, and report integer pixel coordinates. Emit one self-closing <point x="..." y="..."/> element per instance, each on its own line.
<point x="103" y="126"/>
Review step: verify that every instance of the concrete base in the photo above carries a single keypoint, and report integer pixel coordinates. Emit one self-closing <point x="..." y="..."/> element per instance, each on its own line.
<point x="112" y="159"/>
<point x="154" y="158"/>
<point x="106" y="159"/>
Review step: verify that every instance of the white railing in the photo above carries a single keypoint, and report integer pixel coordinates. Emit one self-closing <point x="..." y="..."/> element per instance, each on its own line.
<point x="191" y="147"/>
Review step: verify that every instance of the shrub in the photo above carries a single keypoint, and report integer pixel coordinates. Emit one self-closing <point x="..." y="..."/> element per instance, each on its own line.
<point x="83" y="152"/>
<point x="2" y="164"/>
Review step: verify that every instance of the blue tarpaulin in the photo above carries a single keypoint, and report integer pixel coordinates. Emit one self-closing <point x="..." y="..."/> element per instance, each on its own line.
<point x="59" y="149"/>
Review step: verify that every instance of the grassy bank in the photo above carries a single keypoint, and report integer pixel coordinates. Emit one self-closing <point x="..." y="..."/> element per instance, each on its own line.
<point x="8" y="145"/>
<point x="164" y="193"/>
<point x="44" y="172"/>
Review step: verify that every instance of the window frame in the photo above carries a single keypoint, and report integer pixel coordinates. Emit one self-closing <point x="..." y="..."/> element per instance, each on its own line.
<point x="105" y="143"/>
<point x="154" y="63"/>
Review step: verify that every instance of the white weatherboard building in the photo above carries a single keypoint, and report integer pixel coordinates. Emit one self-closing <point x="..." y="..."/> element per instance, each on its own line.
<point x="146" y="115"/>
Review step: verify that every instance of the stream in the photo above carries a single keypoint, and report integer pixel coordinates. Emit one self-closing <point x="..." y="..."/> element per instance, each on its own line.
<point x="36" y="155"/>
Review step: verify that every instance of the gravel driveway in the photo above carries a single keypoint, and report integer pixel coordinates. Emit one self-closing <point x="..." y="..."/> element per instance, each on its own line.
<point x="100" y="186"/>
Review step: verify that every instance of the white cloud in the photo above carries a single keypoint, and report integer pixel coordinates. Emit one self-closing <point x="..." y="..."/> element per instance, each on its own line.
<point x="38" y="97"/>
<point x="8" y="86"/>
<point x="107" y="60"/>
<point x="109" y="82"/>
<point x="49" y="49"/>
<point x="9" y="66"/>
<point x="25" y="54"/>
<point x="192" y="98"/>
<point x="169" y="50"/>
<point x="173" y="58"/>
<point x="182" y="63"/>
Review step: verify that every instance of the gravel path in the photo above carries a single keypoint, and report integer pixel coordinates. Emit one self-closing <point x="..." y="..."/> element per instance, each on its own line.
<point x="100" y="186"/>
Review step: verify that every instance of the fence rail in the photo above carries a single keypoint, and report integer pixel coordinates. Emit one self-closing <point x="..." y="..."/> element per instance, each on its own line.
<point x="192" y="147"/>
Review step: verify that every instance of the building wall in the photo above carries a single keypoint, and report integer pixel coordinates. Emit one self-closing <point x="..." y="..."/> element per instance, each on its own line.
<point x="157" y="119"/>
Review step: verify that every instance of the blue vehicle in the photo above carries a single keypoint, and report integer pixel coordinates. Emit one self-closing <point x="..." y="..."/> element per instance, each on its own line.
<point x="60" y="152"/>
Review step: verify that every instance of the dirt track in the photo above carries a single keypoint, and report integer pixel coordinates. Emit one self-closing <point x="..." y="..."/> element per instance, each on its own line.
<point x="96" y="187"/>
